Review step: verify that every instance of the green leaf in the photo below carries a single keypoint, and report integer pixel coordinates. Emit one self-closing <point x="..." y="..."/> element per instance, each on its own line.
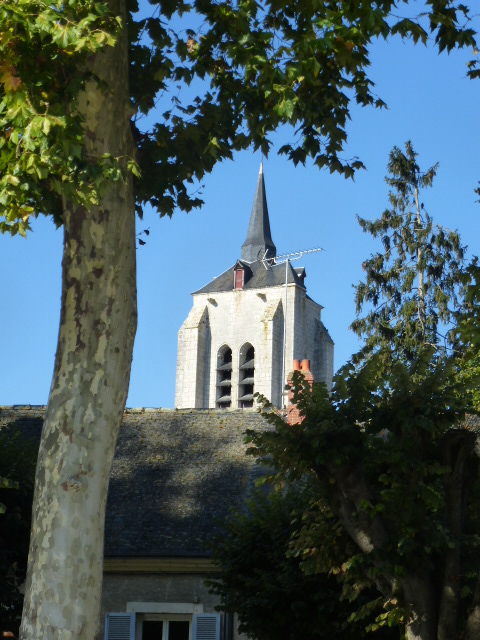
<point x="41" y="171"/>
<point x="13" y="180"/>
<point x="46" y="125"/>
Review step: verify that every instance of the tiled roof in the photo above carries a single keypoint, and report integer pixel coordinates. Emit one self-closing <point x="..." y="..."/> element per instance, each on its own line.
<point x="175" y="475"/>
<point x="257" y="276"/>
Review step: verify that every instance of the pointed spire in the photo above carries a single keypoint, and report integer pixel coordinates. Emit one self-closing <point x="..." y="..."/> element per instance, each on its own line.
<point x="259" y="238"/>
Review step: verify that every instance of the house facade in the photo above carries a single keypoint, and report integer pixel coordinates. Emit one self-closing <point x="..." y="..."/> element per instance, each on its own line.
<point x="175" y="476"/>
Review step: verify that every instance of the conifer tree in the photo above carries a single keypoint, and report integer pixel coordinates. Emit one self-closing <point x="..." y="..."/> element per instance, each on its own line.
<point x="412" y="287"/>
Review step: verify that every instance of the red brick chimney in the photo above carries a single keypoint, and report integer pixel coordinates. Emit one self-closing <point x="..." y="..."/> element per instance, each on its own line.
<point x="293" y="413"/>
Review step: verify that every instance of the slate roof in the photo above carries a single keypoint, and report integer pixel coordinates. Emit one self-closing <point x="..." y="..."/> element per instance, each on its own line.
<point x="258" y="246"/>
<point x="175" y="475"/>
<point x="27" y="418"/>
<point x="259" y="238"/>
<point x="257" y="276"/>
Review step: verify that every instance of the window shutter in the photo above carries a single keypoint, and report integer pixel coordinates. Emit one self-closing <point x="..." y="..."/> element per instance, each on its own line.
<point x="120" y="626"/>
<point x="238" y="279"/>
<point x="206" y="626"/>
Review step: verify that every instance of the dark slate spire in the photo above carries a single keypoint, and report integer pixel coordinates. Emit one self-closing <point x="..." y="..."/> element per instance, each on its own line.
<point x="259" y="238"/>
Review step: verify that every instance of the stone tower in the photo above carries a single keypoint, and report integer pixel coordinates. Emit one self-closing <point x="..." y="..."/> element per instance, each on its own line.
<point x="248" y="325"/>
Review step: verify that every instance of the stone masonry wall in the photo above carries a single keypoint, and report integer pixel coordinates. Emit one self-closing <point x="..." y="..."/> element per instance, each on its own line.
<point x="237" y="317"/>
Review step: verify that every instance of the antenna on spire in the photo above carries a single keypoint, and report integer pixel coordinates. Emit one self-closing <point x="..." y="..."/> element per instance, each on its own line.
<point x="295" y="255"/>
<point x="287" y="257"/>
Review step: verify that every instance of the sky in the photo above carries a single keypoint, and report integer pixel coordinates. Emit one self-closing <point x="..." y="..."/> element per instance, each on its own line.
<point x="430" y="102"/>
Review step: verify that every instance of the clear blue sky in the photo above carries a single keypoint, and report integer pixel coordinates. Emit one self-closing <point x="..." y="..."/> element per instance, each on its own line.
<point x="430" y="101"/>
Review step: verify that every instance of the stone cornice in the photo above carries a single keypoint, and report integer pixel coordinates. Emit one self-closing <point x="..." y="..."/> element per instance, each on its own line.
<point x="160" y="565"/>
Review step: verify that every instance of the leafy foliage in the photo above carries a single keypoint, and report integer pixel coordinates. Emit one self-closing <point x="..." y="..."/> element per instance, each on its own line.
<point x="262" y="579"/>
<point x="261" y="65"/>
<point x="43" y="48"/>
<point x="392" y="448"/>
<point x="17" y="466"/>
<point x="386" y="451"/>
<point x="467" y="335"/>
<point x="220" y="76"/>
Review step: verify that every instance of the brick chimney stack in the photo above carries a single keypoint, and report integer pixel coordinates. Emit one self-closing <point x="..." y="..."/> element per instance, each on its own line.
<point x="293" y="413"/>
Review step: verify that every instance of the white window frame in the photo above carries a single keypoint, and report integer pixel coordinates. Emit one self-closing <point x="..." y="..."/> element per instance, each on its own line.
<point x="165" y="619"/>
<point x="128" y="625"/>
<point x="162" y="611"/>
<point x="165" y="607"/>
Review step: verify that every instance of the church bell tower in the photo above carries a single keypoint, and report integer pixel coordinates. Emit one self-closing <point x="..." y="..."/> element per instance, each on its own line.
<point x="248" y="325"/>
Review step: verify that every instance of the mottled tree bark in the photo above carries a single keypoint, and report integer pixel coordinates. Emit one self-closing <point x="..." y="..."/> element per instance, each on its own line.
<point x="90" y="380"/>
<point x="421" y="602"/>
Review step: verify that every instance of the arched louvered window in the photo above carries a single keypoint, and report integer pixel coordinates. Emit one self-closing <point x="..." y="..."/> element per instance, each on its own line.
<point x="224" y="378"/>
<point x="246" y="376"/>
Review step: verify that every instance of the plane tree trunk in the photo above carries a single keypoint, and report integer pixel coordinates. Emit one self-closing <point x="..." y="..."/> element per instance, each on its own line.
<point x="90" y="380"/>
